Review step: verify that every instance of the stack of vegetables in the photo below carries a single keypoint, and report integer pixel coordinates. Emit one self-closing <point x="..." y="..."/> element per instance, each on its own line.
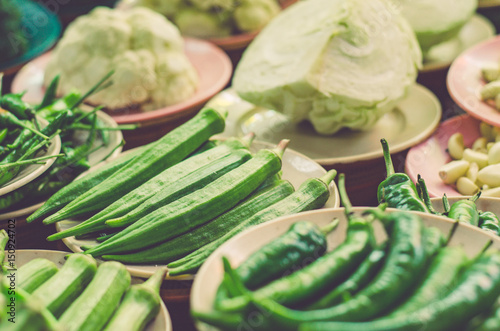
<point x="79" y="296"/>
<point x="410" y="281"/>
<point x="21" y="140"/>
<point x="399" y="191"/>
<point x="182" y="194"/>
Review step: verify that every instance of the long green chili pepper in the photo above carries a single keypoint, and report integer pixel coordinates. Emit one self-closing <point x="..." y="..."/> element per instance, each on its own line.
<point x="361" y="277"/>
<point x="489" y="221"/>
<point x="437" y="281"/>
<point x="14" y="104"/>
<point x="50" y="94"/>
<point x="406" y="260"/>
<point x="398" y="190"/>
<point x="8" y="119"/>
<point x="10" y="170"/>
<point x="476" y="291"/>
<point x="465" y="210"/>
<point x="308" y="283"/>
<point x="23" y="136"/>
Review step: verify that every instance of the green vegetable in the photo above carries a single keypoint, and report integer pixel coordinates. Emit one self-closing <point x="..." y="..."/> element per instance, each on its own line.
<point x="465" y="210"/>
<point x="34" y="273"/>
<point x="60" y="290"/>
<point x="330" y="69"/>
<point x="196" y="208"/>
<point x="489" y="221"/>
<point x="321" y="275"/>
<point x="311" y="194"/>
<point x="95" y="306"/>
<point x="140" y="305"/>
<point x="203" y="235"/>
<point x="73" y="190"/>
<point x="165" y="187"/>
<point x="398" y="190"/>
<point x="442" y="273"/>
<point x="476" y="291"/>
<point x="357" y="281"/>
<point x="165" y="152"/>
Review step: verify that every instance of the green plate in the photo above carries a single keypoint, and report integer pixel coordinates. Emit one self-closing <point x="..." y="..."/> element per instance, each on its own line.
<point x="42" y="28"/>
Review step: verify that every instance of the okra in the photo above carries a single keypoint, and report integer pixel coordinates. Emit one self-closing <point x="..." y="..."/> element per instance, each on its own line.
<point x="311" y="194"/>
<point x="196" y="208"/>
<point x="140" y="305"/>
<point x="57" y="293"/>
<point x="35" y="273"/>
<point x="76" y="188"/>
<point x="187" y="184"/>
<point x="165" y="152"/>
<point x="169" y="181"/>
<point x="184" y="244"/>
<point x="95" y="306"/>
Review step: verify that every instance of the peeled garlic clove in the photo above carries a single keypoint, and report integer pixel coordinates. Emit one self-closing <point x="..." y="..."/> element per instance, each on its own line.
<point x="479" y="145"/>
<point x="474" y="156"/>
<point x="492" y="192"/>
<point x="450" y="172"/>
<point x="456" y="146"/>
<point x="466" y="186"/>
<point x="472" y="172"/>
<point x="490" y="175"/>
<point x="494" y="154"/>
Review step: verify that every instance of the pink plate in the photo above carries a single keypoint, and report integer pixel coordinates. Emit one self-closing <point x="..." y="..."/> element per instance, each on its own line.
<point x="213" y="66"/>
<point x="426" y="158"/>
<point x="464" y="80"/>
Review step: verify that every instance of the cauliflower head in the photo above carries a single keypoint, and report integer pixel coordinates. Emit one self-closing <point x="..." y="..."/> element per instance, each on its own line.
<point x="143" y="48"/>
<point x="346" y="64"/>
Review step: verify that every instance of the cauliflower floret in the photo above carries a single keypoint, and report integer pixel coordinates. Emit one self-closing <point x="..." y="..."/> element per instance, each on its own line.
<point x="143" y="48"/>
<point x="251" y="15"/>
<point x="201" y="24"/>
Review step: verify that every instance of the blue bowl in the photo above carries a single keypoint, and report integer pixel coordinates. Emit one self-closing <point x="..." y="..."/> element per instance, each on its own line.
<point x="42" y="29"/>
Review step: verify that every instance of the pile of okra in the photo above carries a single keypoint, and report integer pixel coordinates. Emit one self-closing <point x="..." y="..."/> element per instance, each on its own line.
<point x="81" y="295"/>
<point x="411" y="281"/>
<point x="175" y="200"/>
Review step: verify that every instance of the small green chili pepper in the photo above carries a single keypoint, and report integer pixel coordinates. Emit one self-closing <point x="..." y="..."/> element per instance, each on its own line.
<point x="3" y="134"/>
<point x="50" y="93"/>
<point x="489" y="221"/>
<point x="465" y="210"/>
<point x="398" y="190"/>
<point x="13" y="103"/>
<point x="308" y="283"/>
<point x="7" y="119"/>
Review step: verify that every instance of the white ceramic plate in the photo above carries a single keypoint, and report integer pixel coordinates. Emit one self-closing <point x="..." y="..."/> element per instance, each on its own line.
<point x="115" y="137"/>
<point x="296" y="168"/>
<point x="442" y="55"/>
<point x="162" y="321"/>
<point x="32" y="171"/>
<point x="414" y="119"/>
<point x="241" y="246"/>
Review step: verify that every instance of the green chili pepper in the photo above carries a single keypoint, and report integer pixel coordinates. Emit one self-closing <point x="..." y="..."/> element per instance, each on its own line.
<point x="406" y="260"/>
<point x="14" y="104"/>
<point x="23" y="136"/>
<point x="8" y="119"/>
<point x="423" y="193"/>
<point x="50" y="93"/>
<point x="308" y="283"/>
<point x="465" y="210"/>
<point x="363" y="275"/>
<point x="3" y="134"/>
<point x="477" y="290"/>
<point x="489" y="221"/>
<point x="398" y="190"/>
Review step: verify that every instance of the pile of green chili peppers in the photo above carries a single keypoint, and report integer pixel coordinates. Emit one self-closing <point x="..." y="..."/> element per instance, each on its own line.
<point x="410" y="281"/>
<point x="22" y="141"/>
